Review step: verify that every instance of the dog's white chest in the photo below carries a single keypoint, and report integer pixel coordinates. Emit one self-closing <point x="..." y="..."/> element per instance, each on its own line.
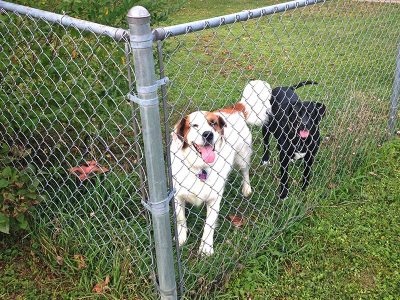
<point x="299" y="155"/>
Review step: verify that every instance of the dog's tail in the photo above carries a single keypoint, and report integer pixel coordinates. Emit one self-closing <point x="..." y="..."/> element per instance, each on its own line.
<point x="256" y="99"/>
<point x="303" y="83"/>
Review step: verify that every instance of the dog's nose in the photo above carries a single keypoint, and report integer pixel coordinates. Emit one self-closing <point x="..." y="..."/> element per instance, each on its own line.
<point x="208" y="136"/>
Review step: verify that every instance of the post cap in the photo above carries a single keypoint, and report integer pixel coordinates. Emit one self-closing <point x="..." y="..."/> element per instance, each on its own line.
<point x="137" y="14"/>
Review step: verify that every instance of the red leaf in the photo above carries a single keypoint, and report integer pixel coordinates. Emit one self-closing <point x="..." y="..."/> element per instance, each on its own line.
<point x="250" y="68"/>
<point x="90" y="167"/>
<point x="101" y="286"/>
<point x="236" y="220"/>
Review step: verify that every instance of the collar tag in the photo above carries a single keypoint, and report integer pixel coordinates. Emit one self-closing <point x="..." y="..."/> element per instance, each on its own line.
<point x="203" y="175"/>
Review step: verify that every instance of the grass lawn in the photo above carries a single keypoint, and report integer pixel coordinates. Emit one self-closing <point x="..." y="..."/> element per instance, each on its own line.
<point x="346" y="249"/>
<point x="65" y="99"/>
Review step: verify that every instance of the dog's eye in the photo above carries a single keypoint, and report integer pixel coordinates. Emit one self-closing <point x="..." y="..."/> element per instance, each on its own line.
<point x="213" y="123"/>
<point x="195" y="126"/>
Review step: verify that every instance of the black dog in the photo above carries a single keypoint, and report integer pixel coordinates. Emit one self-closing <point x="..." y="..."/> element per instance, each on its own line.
<point x="295" y="126"/>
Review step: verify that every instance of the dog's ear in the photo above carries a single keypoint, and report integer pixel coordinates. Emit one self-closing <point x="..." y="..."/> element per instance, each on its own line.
<point x="221" y="123"/>
<point x="180" y="131"/>
<point x="318" y="112"/>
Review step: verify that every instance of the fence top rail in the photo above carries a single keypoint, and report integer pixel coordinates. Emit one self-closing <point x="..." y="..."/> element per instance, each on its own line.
<point x="117" y="34"/>
<point x="166" y="32"/>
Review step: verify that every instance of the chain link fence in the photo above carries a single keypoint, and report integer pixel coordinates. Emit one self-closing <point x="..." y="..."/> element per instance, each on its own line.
<point x="338" y="44"/>
<point x="66" y="115"/>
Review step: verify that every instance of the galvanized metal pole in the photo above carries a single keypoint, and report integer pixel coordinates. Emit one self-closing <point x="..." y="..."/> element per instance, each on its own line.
<point x="394" y="103"/>
<point x="141" y="39"/>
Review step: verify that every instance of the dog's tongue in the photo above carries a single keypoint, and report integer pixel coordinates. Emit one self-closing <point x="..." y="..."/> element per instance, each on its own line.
<point x="207" y="153"/>
<point x="304" y="134"/>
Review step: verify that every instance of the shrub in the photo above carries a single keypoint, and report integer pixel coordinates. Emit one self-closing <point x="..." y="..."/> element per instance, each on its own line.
<point x="18" y="193"/>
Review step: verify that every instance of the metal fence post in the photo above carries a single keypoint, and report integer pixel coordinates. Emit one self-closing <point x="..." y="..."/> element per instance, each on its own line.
<point x="395" y="96"/>
<point x="142" y="46"/>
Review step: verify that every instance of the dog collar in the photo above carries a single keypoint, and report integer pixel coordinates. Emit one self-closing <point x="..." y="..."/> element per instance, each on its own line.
<point x="203" y="175"/>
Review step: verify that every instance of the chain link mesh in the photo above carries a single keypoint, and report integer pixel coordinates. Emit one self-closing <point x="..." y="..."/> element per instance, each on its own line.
<point x="349" y="48"/>
<point x="64" y="110"/>
<point x="65" y="115"/>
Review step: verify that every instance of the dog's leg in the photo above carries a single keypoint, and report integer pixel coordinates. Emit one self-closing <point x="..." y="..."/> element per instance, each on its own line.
<point x="246" y="187"/>
<point x="266" y="134"/>
<point x="242" y="159"/>
<point x="206" y="244"/>
<point x="180" y="220"/>
<point x="308" y="162"/>
<point x="284" y="184"/>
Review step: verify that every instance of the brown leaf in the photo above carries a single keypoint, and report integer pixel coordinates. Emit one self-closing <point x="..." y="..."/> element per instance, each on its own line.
<point x="372" y="173"/>
<point x="250" y="68"/>
<point x="14" y="59"/>
<point x="74" y="54"/>
<point x="80" y="261"/>
<point x="74" y="150"/>
<point x="19" y="185"/>
<point x="101" y="286"/>
<point x="60" y="260"/>
<point x="236" y="220"/>
<point x="332" y="185"/>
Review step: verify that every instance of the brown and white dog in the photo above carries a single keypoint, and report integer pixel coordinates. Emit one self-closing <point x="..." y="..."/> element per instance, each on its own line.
<point x="205" y="147"/>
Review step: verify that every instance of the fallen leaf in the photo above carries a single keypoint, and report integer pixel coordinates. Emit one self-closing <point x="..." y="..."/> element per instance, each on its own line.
<point x="75" y="150"/>
<point x="250" y="68"/>
<point x="14" y="59"/>
<point x="236" y="220"/>
<point x="332" y="185"/>
<point x="19" y="185"/>
<point x="80" y="261"/>
<point x="89" y="168"/>
<point x="372" y="173"/>
<point x="101" y="286"/>
<point x="74" y="54"/>
<point x="60" y="260"/>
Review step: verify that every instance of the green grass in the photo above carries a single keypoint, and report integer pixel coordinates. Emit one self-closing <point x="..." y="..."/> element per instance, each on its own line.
<point x="67" y="104"/>
<point x="346" y="249"/>
<point x="337" y="44"/>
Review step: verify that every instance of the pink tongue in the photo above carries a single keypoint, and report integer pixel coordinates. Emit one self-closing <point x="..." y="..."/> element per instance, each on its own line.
<point x="207" y="154"/>
<point x="304" y="133"/>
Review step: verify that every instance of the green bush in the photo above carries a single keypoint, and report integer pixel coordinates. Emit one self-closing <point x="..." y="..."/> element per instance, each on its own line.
<point x="18" y="193"/>
<point x="107" y="12"/>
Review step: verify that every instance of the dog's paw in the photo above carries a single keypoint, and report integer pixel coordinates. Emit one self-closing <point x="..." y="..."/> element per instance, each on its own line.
<point x="283" y="195"/>
<point x="246" y="189"/>
<point x="266" y="163"/>
<point x="206" y="249"/>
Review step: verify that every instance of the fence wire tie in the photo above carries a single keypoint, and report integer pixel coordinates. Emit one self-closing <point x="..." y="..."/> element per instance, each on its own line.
<point x="160" y="207"/>
<point x="147" y="90"/>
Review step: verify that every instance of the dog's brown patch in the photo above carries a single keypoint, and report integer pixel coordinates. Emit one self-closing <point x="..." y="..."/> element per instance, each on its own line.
<point x="217" y="122"/>
<point x="182" y="129"/>
<point x="235" y="108"/>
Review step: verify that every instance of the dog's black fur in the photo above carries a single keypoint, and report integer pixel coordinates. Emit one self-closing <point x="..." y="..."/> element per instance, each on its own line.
<point x="291" y="118"/>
